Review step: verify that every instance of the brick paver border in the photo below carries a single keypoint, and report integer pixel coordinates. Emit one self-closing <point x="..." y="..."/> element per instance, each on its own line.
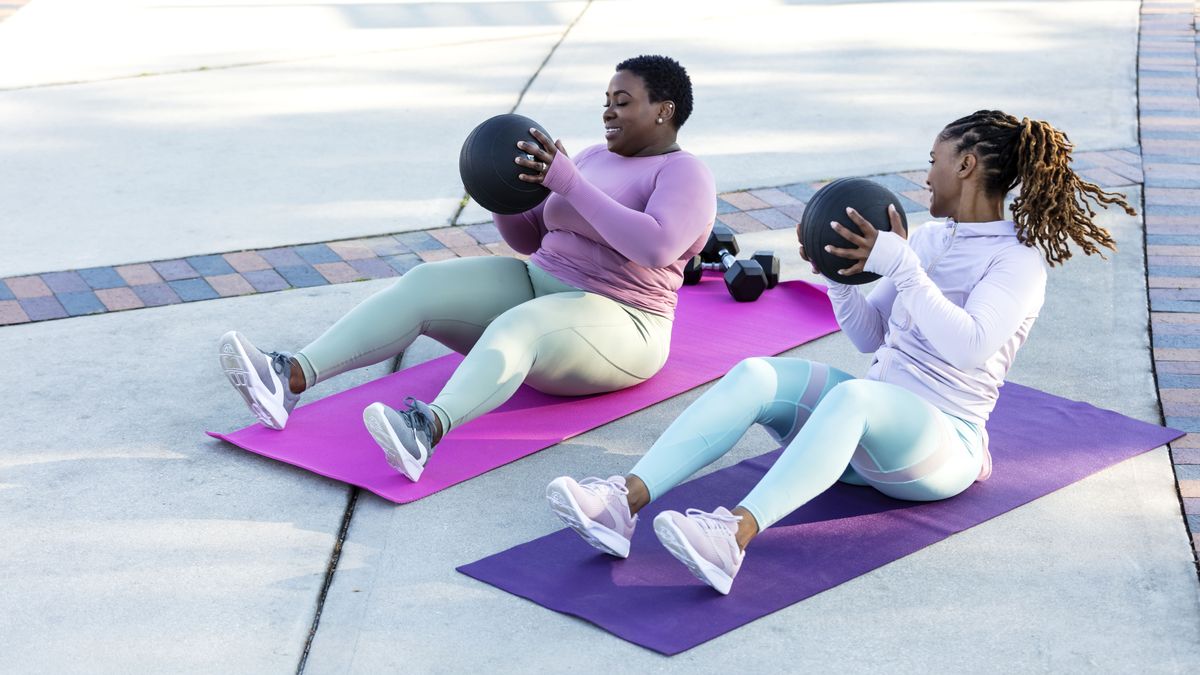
<point x="99" y="290"/>
<point x="1169" y="128"/>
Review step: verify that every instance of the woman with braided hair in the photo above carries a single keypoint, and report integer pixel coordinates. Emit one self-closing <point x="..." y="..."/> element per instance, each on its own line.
<point x="955" y="303"/>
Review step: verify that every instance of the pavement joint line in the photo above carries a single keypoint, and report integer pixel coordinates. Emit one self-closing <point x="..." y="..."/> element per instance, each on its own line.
<point x="330" y="570"/>
<point x="521" y="97"/>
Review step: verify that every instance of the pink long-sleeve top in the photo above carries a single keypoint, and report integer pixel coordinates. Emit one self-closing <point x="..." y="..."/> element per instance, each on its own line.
<point x="956" y="303"/>
<point x="622" y="227"/>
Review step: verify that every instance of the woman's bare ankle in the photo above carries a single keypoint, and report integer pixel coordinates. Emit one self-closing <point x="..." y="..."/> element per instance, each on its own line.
<point x="296" y="378"/>
<point x="747" y="528"/>
<point x="639" y="494"/>
<point x="437" y="430"/>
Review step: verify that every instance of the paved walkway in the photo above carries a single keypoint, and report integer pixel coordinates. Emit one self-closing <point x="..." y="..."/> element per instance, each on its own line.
<point x="136" y="544"/>
<point x="1169" y="122"/>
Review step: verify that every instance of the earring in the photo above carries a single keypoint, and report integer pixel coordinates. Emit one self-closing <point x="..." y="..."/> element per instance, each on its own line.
<point x="660" y="120"/>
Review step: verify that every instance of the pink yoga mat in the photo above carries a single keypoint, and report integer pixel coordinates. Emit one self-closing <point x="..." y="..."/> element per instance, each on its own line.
<point x="712" y="333"/>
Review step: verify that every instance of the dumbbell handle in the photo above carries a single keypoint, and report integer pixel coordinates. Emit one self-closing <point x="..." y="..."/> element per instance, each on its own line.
<point x="726" y="258"/>
<point x="737" y="289"/>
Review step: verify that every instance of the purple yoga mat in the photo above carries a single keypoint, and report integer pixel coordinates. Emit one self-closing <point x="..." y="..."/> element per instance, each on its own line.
<point x="1040" y="443"/>
<point x="712" y="332"/>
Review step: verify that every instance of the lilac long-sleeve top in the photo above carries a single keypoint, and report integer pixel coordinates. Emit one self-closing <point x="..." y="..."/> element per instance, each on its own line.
<point x="622" y="227"/>
<point x="956" y="303"/>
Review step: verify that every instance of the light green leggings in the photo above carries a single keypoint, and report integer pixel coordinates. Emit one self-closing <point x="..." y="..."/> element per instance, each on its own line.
<point x="514" y="322"/>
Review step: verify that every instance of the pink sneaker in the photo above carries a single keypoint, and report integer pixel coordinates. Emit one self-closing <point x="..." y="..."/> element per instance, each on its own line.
<point x="704" y="542"/>
<point x="595" y="508"/>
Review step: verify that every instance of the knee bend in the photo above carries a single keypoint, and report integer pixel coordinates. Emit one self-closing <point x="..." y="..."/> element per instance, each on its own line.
<point x="751" y="382"/>
<point x="853" y="393"/>
<point x="754" y="371"/>
<point x="424" y="275"/>
<point x="511" y="330"/>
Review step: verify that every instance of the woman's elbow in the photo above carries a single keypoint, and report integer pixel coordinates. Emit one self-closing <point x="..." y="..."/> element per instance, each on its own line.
<point x="866" y="346"/>
<point x="525" y="243"/>
<point x="523" y="247"/>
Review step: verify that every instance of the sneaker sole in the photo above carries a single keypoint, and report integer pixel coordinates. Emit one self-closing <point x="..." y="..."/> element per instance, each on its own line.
<point x="563" y="504"/>
<point x="393" y="450"/>
<point x="244" y="378"/>
<point x="676" y="543"/>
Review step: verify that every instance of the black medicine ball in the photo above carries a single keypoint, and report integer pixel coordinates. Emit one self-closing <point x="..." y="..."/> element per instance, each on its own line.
<point x="829" y="204"/>
<point x="488" y="170"/>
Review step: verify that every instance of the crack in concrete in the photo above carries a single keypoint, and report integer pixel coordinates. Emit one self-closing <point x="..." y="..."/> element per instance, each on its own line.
<point x="329" y="572"/>
<point x="521" y="96"/>
<point x="348" y="515"/>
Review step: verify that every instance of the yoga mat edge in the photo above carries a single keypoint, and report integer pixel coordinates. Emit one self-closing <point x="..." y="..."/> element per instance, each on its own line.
<point x="799" y="557"/>
<point x="327" y="436"/>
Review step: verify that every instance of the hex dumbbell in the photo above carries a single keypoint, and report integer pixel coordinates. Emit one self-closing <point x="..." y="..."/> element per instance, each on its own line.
<point x="766" y="259"/>
<point x="745" y="279"/>
<point x="770" y="264"/>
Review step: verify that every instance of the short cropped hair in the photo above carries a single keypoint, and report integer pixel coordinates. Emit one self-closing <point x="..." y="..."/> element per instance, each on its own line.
<point x="665" y="80"/>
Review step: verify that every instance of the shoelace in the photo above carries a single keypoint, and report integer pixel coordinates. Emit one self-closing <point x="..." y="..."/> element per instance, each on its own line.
<point x="713" y="522"/>
<point x="279" y="362"/>
<point x="416" y="420"/>
<point x="602" y="487"/>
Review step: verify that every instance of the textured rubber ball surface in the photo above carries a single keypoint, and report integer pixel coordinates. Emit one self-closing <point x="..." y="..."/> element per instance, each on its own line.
<point x="488" y="171"/>
<point x="829" y="204"/>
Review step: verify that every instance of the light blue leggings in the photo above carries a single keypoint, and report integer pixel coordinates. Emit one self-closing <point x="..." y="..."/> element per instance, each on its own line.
<point x="834" y="426"/>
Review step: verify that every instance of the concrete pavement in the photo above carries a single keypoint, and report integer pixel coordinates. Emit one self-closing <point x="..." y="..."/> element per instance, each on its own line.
<point x="137" y="543"/>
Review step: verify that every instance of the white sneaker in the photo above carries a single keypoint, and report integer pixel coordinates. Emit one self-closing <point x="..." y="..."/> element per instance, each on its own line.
<point x="704" y="542"/>
<point x="261" y="378"/>
<point x="596" y="509"/>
